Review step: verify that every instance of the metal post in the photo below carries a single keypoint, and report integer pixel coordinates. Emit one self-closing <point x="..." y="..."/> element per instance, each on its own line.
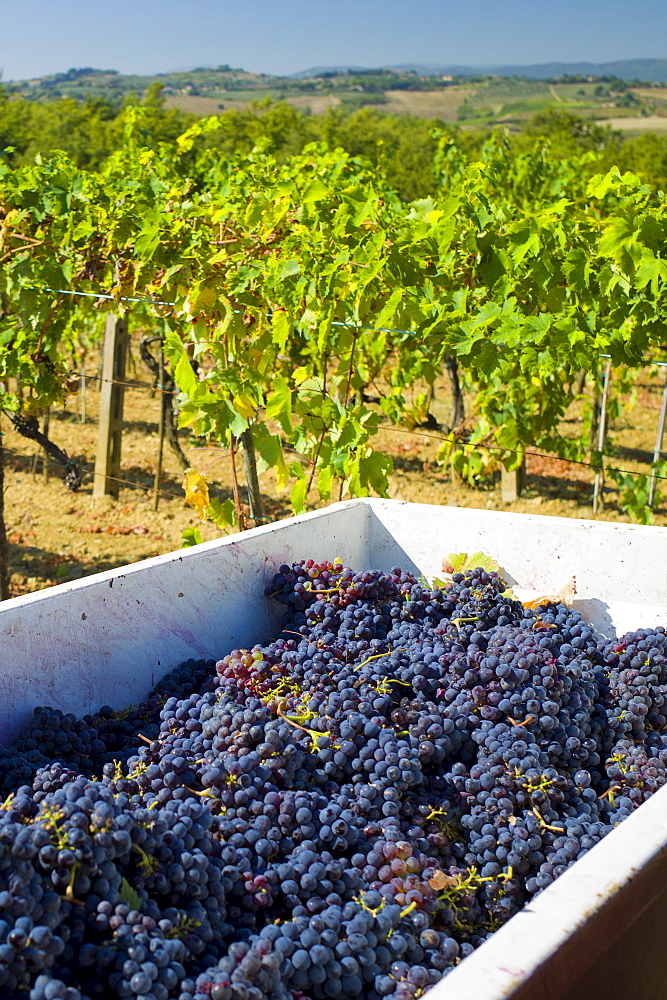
<point x="599" y="475"/>
<point x="112" y="391"/>
<point x="658" y="443"/>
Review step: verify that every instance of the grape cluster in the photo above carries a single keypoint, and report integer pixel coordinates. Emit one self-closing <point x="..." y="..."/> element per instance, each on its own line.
<point x="347" y="810"/>
<point x="88" y="743"/>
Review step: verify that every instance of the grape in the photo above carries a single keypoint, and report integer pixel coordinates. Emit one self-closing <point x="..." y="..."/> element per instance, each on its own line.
<point x="345" y="810"/>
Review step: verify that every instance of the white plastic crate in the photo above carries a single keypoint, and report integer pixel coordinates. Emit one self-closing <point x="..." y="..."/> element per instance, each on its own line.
<point x="108" y="638"/>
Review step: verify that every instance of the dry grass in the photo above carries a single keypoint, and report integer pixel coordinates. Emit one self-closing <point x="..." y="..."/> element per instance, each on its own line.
<point x="204" y="106"/>
<point x="317" y="104"/>
<point x="442" y="104"/>
<point x="652" y="123"/>
<point x="651" y="93"/>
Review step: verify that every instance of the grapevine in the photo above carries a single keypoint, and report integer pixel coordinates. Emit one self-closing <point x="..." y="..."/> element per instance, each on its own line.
<point x="286" y="289"/>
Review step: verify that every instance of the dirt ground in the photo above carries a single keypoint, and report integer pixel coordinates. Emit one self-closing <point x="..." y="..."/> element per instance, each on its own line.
<point x="57" y="536"/>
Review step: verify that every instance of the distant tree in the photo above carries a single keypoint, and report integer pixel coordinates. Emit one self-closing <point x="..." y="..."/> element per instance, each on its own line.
<point x="644" y="155"/>
<point x="401" y="145"/>
<point x="570" y="130"/>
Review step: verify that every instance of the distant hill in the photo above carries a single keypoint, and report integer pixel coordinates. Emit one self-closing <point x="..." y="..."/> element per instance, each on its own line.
<point x="648" y="70"/>
<point x="467" y="96"/>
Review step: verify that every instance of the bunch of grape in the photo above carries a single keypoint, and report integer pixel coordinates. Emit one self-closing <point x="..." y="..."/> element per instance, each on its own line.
<point x="347" y="810"/>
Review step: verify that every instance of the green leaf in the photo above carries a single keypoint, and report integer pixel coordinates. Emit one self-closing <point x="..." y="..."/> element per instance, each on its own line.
<point x="374" y="470"/>
<point x="288" y="268"/>
<point x="129" y="895"/>
<point x="279" y="404"/>
<point x="281" y="327"/>
<point x="148" y="239"/>
<point x="577" y="269"/>
<point x="618" y="233"/>
<point x="222" y="514"/>
<point x="269" y="447"/>
<point x="386" y="314"/>
<point x="191" y="536"/>
<point x="315" y="191"/>
<point x="325" y="477"/>
<point x="601" y="184"/>
<point x="298" y="496"/>
<point x="184" y="376"/>
<point x="652" y="271"/>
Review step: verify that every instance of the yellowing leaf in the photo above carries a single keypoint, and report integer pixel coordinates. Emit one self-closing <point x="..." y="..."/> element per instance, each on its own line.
<point x="186" y="141"/>
<point x="245" y="405"/>
<point x="440" y="880"/>
<point x="196" y="493"/>
<point x="281" y="326"/>
<point x="207" y="297"/>
<point x="282" y="474"/>
<point x="461" y="562"/>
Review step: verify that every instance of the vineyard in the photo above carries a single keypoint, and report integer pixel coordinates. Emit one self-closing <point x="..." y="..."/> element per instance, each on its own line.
<point x="391" y="765"/>
<point x="309" y="318"/>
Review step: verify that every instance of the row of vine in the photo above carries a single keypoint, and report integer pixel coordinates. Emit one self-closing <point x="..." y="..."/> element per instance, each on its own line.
<point x="286" y="292"/>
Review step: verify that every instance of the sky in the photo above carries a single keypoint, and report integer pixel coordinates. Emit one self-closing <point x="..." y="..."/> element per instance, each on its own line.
<point x="38" y="37"/>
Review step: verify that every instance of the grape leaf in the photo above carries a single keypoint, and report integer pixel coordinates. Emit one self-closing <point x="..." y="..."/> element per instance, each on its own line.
<point x="461" y="562"/>
<point x="440" y="880"/>
<point x="129" y="895"/>
<point x="196" y="493"/>
<point x="191" y="536"/>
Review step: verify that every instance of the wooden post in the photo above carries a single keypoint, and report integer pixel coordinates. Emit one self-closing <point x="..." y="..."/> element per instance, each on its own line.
<point x="112" y="390"/>
<point x="599" y="475"/>
<point x="82" y="392"/>
<point x="512" y="482"/>
<point x="160" y="447"/>
<point x="658" y="444"/>
<point x="4" y="544"/>
<point x="254" y="492"/>
<point x="45" y="458"/>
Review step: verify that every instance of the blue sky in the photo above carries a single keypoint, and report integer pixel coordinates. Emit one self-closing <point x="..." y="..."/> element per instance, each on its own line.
<point x="285" y="36"/>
